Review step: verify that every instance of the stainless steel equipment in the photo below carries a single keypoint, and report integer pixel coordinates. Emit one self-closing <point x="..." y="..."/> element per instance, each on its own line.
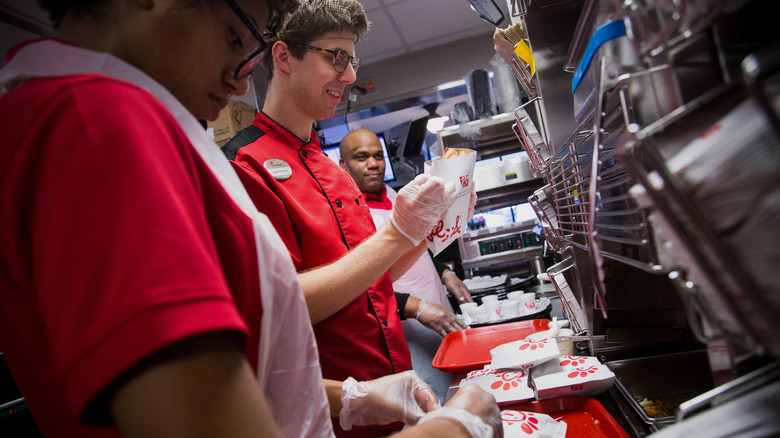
<point x="490" y="246"/>
<point x="667" y="380"/>
<point x="661" y="183"/>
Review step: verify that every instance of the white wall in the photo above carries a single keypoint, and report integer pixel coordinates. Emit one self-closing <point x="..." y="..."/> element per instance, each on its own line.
<point x="421" y="72"/>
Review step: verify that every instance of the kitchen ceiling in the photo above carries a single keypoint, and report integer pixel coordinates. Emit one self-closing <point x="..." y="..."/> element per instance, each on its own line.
<point x="405" y="27"/>
<point x="400" y="27"/>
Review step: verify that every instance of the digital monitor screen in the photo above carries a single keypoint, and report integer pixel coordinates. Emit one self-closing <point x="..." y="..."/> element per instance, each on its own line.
<point x="333" y="152"/>
<point x="416" y="137"/>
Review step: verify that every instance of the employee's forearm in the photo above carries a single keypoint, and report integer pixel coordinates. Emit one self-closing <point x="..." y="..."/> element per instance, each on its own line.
<point x="435" y="428"/>
<point x="333" y="390"/>
<point x="406" y="261"/>
<point x="331" y="287"/>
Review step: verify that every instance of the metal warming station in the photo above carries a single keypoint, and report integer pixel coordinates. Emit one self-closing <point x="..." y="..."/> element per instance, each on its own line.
<point x="653" y="125"/>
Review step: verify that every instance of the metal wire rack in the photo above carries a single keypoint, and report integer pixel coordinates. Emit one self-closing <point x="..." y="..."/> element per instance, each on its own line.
<point x="717" y="215"/>
<point x="534" y="141"/>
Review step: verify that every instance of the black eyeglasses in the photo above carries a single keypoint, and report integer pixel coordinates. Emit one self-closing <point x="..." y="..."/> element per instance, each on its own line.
<point x="340" y="58"/>
<point x="250" y="62"/>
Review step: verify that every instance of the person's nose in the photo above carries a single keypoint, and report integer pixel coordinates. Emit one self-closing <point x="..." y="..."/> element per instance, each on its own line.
<point x="348" y="76"/>
<point x="237" y="86"/>
<point x="372" y="163"/>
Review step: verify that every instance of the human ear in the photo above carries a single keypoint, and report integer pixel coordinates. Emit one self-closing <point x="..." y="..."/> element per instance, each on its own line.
<point x="281" y="55"/>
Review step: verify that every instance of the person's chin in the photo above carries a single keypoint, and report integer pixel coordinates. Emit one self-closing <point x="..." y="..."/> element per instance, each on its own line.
<point x="374" y="186"/>
<point x="330" y="112"/>
<point x="213" y="108"/>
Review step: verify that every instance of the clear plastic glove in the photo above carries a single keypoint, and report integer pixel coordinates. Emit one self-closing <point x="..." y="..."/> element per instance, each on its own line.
<point x="456" y="287"/>
<point x="475" y="409"/>
<point x="472" y="205"/>
<point x="420" y="205"/>
<point x="439" y="318"/>
<point x="397" y="397"/>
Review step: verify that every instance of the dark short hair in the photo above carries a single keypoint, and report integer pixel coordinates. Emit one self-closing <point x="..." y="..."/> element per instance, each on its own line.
<point x="278" y="10"/>
<point x="315" y="18"/>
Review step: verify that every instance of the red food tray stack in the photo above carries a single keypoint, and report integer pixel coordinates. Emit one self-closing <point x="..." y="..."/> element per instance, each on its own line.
<point x="469" y="349"/>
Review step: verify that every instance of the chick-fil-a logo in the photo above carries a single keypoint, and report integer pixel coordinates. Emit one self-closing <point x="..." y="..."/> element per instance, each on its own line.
<point x="527" y="421"/>
<point x="445" y="234"/>
<point x="532" y="345"/>
<point x="573" y="361"/>
<point x="508" y="380"/>
<point x="582" y="372"/>
<point x="464" y="181"/>
<point x="477" y="373"/>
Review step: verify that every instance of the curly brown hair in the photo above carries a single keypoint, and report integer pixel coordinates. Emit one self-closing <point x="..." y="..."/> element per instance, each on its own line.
<point x="315" y="18"/>
<point x="278" y="10"/>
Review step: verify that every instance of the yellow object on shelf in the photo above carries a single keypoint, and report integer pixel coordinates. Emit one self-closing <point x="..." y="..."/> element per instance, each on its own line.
<point x="524" y="52"/>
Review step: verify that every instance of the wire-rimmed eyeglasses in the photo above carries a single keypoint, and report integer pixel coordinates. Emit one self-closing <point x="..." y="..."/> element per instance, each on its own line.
<point x="250" y="62"/>
<point x="340" y="58"/>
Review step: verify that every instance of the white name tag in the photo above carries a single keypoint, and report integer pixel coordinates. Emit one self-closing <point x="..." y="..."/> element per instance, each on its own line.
<point x="279" y="169"/>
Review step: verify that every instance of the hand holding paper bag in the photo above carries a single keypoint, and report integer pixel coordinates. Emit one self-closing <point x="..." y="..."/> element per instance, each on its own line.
<point x="456" y="166"/>
<point x="420" y="205"/>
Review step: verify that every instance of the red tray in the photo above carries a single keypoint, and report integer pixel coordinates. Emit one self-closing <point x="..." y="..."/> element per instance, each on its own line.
<point x="469" y="349"/>
<point x="580" y="415"/>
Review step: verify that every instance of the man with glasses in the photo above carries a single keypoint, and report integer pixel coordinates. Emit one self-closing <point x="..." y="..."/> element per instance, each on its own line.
<point x="345" y="265"/>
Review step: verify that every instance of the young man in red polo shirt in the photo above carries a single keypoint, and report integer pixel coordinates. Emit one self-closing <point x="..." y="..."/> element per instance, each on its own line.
<point x="343" y="262"/>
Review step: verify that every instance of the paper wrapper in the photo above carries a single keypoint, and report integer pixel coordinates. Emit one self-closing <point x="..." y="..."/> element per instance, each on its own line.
<point x="531" y="424"/>
<point x="523" y="354"/>
<point x="459" y="170"/>
<point x="505" y="386"/>
<point x="571" y="375"/>
<point x="564" y="363"/>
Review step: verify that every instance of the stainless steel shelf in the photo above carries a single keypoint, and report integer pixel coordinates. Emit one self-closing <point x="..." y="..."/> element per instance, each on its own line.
<point x="495" y="137"/>
<point x="508" y="195"/>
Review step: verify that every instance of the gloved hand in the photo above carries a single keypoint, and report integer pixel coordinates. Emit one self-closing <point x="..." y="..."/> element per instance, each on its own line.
<point x="420" y="205"/>
<point x="475" y="409"/>
<point x="397" y="397"/>
<point x="439" y="318"/>
<point x="472" y="205"/>
<point x="456" y="287"/>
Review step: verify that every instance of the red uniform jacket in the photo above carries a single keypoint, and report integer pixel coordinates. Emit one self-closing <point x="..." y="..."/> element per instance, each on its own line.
<point x="321" y="214"/>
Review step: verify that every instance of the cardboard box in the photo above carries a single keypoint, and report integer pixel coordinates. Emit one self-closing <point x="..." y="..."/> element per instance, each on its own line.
<point x="234" y="117"/>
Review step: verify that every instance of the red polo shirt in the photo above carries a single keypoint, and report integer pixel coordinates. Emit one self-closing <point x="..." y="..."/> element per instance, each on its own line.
<point x="379" y="201"/>
<point x="321" y="214"/>
<point x="110" y="250"/>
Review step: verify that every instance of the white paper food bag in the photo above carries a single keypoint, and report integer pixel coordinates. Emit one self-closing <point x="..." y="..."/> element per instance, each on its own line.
<point x="577" y="375"/>
<point x="460" y="170"/>
<point x="505" y="386"/>
<point x="523" y="354"/>
<point x="531" y="424"/>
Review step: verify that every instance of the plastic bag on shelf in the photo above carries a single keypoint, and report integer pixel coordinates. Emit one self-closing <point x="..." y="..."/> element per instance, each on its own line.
<point x="507" y="89"/>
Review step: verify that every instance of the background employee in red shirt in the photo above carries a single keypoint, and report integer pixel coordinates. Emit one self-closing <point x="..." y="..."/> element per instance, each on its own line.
<point x="363" y="158"/>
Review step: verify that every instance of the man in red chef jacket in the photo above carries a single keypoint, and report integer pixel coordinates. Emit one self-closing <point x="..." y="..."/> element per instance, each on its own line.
<point x="345" y="265"/>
